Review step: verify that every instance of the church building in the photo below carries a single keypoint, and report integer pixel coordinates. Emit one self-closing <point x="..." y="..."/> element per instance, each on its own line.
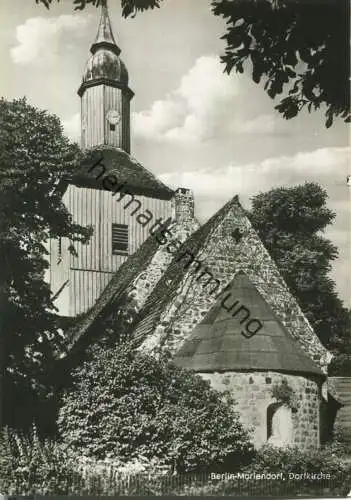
<point x="209" y="294"/>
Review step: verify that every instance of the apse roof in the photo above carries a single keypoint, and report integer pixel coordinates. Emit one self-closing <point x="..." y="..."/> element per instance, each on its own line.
<point x="218" y="344"/>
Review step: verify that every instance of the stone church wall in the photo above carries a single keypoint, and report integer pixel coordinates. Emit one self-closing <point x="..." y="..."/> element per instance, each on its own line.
<point x="253" y="394"/>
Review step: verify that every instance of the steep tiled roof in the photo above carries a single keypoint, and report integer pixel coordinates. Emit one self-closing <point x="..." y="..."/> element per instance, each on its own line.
<point x="125" y="168"/>
<point x="166" y="291"/>
<point x="115" y="290"/>
<point x="217" y="343"/>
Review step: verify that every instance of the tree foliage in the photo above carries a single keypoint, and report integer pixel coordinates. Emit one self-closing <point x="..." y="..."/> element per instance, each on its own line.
<point x="294" y="46"/>
<point x="298" y="49"/>
<point x="129" y="7"/>
<point x="34" y="155"/>
<point x="291" y="222"/>
<point x="124" y="404"/>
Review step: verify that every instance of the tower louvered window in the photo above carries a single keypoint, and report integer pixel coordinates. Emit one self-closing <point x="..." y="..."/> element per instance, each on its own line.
<point x="119" y="239"/>
<point x="59" y="250"/>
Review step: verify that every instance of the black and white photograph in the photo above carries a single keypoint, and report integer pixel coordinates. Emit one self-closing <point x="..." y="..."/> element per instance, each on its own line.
<point x="175" y="243"/>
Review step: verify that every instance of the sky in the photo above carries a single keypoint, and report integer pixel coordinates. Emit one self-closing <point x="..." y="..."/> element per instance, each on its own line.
<point x="192" y="125"/>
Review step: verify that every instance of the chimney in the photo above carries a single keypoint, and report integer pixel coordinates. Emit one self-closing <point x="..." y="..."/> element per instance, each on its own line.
<point x="183" y="203"/>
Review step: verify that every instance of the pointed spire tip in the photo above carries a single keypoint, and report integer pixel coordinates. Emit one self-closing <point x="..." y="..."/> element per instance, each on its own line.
<point x="104" y="37"/>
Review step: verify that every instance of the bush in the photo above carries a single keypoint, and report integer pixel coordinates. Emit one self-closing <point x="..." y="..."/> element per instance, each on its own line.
<point x="283" y="393"/>
<point x="293" y="460"/>
<point x="339" y="446"/>
<point x="271" y="460"/>
<point x="124" y="404"/>
<point x="29" y="465"/>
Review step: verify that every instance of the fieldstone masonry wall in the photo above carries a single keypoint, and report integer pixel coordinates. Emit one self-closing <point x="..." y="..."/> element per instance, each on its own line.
<point x="252" y="393"/>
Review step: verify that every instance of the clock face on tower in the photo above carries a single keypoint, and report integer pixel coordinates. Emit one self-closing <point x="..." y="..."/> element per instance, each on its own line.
<point x="113" y="117"/>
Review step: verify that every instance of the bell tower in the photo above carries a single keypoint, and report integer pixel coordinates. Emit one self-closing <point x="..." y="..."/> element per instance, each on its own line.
<point x="120" y="224"/>
<point x="104" y="92"/>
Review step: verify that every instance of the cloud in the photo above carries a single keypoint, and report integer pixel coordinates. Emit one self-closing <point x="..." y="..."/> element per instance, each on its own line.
<point x="37" y="36"/>
<point x="71" y="127"/>
<point x="197" y="110"/>
<point x="327" y="166"/>
<point x="263" y="124"/>
<point x="205" y="106"/>
<point x="162" y="117"/>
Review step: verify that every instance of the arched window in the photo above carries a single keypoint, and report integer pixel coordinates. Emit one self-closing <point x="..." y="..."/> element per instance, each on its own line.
<point x="279" y="425"/>
<point x="272" y="408"/>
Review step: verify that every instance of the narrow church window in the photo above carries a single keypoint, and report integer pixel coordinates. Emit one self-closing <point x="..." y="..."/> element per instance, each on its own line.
<point x="119" y="239"/>
<point x="112" y="127"/>
<point x="279" y="425"/>
<point x="272" y="408"/>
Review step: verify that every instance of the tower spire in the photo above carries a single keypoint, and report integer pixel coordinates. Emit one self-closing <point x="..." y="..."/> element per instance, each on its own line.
<point x="104" y="92"/>
<point x="104" y="37"/>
